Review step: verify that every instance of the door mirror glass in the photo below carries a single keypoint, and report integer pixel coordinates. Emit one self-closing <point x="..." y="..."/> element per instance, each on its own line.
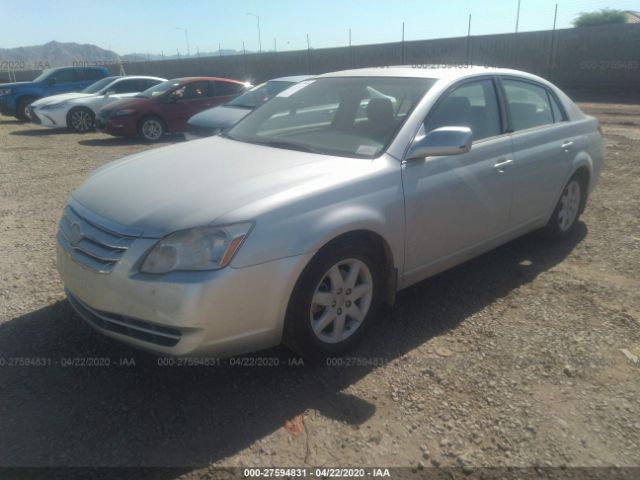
<point x="441" y="141"/>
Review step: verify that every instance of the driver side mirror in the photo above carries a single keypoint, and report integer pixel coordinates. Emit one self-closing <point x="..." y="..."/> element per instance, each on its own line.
<point x="109" y="92"/>
<point x="441" y="141"/>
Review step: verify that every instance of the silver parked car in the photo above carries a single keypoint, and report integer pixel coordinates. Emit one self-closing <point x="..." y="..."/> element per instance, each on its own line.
<point x="217" y="119"/>
<point x="301" y="220"/>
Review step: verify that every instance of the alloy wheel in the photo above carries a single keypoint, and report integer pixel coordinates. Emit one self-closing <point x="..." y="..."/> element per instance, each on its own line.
<point x="569" y="205"/>
<point x="341" y="300"/>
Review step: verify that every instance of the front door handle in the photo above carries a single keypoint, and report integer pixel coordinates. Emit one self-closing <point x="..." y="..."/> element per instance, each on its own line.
<point x="503" y="165"/>
<point x="566" y="146"/>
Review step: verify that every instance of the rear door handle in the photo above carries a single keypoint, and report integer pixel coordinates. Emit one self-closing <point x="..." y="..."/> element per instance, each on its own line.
<point x="503" y="165"/>
<point x="566" y="146"/>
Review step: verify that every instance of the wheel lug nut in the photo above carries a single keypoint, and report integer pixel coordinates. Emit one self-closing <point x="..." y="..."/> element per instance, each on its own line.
<point x="348" y="304"/>
<point x="348" y="292"/>
<point x="339" y="311"/>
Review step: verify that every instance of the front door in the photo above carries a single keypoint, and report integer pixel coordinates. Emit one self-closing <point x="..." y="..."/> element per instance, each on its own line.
<point x="455" y="203"/>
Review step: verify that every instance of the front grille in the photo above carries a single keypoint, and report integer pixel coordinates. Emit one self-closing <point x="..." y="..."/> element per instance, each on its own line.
<point x="89" y="244"/>
<point x="131" y="327"/>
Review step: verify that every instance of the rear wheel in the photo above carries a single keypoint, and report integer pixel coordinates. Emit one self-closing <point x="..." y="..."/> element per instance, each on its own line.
<point x="80" y="120"/>
<point x="21" y="108"/>
<point x="565" y="216"/>
<point x="151" y="129"/>
<point x="334" y="302"/>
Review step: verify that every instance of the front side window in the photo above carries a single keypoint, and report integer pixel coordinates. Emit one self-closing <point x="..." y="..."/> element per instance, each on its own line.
<point x="223" y="89"/>
<point x="99" y="85"/>
<point x="191" y="91"/>
<point x="64" y="76"/>
<point x="528" y="104"/>
<point x="350" y="116"/>
<point x="160" y="89"/>
<point x="474" y="105"/>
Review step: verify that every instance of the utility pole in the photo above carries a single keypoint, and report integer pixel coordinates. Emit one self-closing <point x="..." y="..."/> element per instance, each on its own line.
<point x="518" y="17"/>
<point x="469" y="42"/>
<point x="186" y="37"/>
<point x="259" y="39"/>
<point x="402" y="47"/>
<point x="553" y="41"/>
<point x="275" y="45"/>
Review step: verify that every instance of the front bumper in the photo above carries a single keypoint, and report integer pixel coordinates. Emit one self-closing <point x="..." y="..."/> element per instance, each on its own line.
<point x="48" y="118"/>
<point x="6" y="107"/>
<point x="224" y="312"/>
<point x="126" y="125"/>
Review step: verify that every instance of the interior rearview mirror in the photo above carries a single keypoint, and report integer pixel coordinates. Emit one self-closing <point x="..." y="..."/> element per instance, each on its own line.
<point x="442" y="141"/>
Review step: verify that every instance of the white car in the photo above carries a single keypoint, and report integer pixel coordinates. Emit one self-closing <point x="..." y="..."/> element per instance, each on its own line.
<point x="77" y="110"/>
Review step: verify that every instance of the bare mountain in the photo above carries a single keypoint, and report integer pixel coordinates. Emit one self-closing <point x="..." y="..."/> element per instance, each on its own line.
<point x="57" y="54"/>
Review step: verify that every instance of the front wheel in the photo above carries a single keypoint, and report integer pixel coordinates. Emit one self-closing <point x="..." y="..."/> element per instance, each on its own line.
<point x="80" y="120"/>
<point x="151" y="129"/>
<point x="334" y="302"/>
<point x="565" y="216"/>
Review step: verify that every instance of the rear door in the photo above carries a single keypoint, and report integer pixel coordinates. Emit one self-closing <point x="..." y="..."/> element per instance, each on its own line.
<point x="542" y="144"/>
<point x="456" y="204"/>
<point x="224" y="92"/>
<point x="186" y="102"/>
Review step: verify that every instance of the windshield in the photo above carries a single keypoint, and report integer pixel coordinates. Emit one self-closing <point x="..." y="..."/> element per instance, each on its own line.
<point x="353" y="117"/>
<point x="45" y="73"/>
<point x="99" y="85"/>
<point x="160" y="89"/>
<point x="260" y="94"/>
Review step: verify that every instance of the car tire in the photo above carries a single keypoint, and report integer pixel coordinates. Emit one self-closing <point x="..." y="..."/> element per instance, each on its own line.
<point x="564" y="219"/>
<point x="334" y="302"/>
<point x="151" y="128"/>
<point x="21" y="108"/>
<point x="81" y="120"/>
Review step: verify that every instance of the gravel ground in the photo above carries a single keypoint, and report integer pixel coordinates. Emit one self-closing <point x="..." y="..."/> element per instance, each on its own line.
<point x="522" y="357"/>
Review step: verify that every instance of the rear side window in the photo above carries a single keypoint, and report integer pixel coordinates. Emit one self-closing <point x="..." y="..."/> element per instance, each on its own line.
<point x="558" y="115"/>
<point x="128" y="86"/>
<point x="474" y="105"/>
<point x="89" y="74"/>
<point x="529" y="104"/>
<point x="227" y="88"/>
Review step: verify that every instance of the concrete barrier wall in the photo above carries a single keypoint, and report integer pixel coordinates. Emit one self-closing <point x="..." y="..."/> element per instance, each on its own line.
<point x="598" y="58"/>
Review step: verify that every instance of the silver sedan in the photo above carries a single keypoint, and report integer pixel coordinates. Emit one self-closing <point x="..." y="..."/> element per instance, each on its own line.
<point x="302" y="220"/>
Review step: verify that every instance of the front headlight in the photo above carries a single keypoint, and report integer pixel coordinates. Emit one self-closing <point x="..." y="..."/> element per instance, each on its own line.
<point x="123" y="112"/>
<point x="200" y="248"/>
<point x="51" y="106"/>
<point x="5" y="91"/>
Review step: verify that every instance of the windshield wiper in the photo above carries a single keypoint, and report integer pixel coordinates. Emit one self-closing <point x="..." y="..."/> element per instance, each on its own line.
<point x="289" y="145"/>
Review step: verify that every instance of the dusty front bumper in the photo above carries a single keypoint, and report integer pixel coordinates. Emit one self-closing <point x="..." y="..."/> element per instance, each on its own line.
<point x="221" y="313"/>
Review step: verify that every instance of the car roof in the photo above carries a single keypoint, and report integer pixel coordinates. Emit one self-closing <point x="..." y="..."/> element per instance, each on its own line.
<point x="438" y="71"/>
<point x="292" y="79"/>
<point x="192" y="79"/>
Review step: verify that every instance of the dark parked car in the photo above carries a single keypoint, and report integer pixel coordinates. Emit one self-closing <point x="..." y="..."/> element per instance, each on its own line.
<point x="166" y="107"/>
<point x="16" y="97"/>
<point x="215" y="120"/>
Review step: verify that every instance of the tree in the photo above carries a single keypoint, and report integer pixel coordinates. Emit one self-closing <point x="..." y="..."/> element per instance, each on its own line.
<point x="605" y="16"/>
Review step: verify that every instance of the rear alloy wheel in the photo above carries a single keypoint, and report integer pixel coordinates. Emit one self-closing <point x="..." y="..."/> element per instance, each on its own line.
<point x="565" y="216"/>
<point x="81" y="120"/>
<point x="152" y="129"/>
<point x="334" y="302"/>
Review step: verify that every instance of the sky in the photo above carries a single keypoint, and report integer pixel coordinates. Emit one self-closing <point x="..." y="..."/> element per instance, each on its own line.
<point x="159" y="26"/>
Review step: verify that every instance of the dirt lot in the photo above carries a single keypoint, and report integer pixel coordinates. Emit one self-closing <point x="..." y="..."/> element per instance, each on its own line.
<point x="514" y="358"/>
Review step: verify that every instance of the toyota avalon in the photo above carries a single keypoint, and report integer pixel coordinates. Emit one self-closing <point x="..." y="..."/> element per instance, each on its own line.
<point x="298" y="223"/>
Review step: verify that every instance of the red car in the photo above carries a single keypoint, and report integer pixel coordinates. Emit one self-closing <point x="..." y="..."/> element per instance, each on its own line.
<point x="166" y="107"/>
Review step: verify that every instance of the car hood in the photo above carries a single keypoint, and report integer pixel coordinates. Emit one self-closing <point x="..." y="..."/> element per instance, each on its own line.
<point x="60" y="98"/>
<point x="15" y="84"/>
<point x="194" y="183"/>
<point x="221" y="117"/>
